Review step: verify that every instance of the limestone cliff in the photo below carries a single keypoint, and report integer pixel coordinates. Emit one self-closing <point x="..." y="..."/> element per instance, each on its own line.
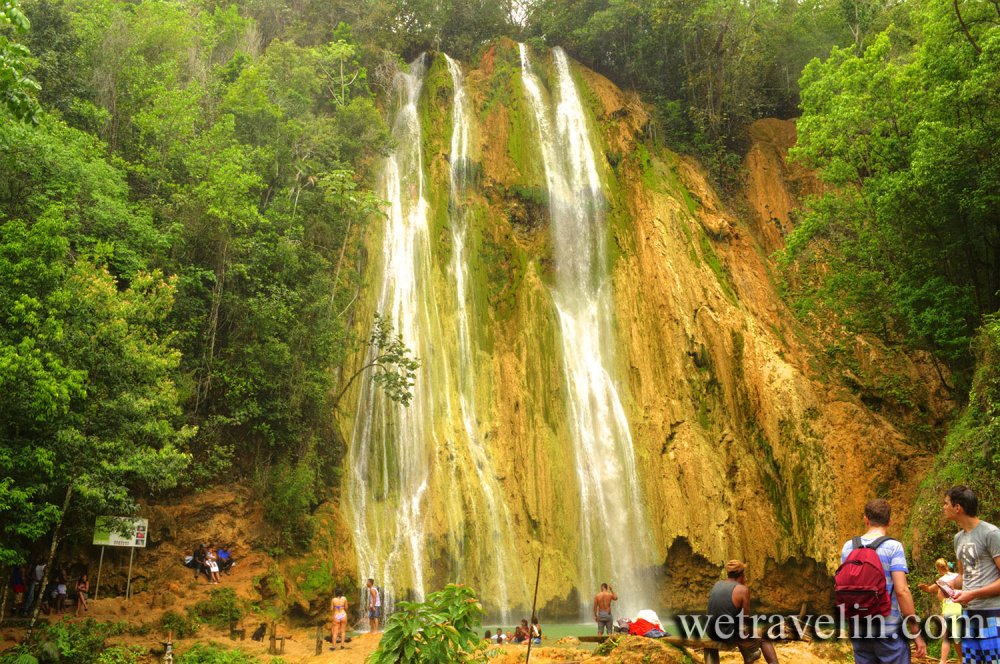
<point x="748" y="444"/>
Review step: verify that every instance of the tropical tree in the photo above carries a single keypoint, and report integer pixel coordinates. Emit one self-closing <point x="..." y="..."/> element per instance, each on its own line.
<point x="16" y="88"/>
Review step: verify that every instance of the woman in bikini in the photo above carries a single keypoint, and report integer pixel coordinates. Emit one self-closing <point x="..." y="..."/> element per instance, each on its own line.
<point x="339" y="607"/>
<point x="82" y="588"/>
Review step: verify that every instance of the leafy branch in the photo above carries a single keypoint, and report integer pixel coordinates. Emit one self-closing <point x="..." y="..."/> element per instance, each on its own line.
<point x="394" y="369"/>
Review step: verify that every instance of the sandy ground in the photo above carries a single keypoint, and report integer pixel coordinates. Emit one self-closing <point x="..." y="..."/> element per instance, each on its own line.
<point x="300" y="647"/>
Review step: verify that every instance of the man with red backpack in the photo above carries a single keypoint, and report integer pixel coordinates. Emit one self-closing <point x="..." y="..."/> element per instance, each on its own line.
<point x="866" y="597"/>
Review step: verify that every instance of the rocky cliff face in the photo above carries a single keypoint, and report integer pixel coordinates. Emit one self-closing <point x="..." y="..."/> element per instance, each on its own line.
<point x="748" y="444"/>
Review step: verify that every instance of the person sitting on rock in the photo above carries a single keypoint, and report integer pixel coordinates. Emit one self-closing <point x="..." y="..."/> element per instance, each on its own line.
<point x="225" y="558"/>
<point x="213" y="566"/>
<point x="728" y="610"/>
<point x="198" y="561"/>
<point x="536" y="631"/>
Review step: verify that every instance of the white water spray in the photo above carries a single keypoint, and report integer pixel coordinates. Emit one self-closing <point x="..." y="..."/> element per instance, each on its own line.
<point x="390" y="451"/>
<point x="501" y="555"/>
<point x="615" y="541"/>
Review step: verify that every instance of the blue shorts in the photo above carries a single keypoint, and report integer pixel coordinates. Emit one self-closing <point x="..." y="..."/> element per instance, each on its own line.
<point x="982" y="646"/>
<point x="893" y="649"/>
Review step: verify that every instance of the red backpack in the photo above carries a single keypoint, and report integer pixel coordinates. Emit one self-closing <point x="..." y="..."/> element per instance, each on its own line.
<point x="859" y="584"/>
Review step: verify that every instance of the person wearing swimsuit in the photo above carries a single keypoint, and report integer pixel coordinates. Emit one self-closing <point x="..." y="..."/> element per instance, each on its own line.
<point x="339" y="607"/>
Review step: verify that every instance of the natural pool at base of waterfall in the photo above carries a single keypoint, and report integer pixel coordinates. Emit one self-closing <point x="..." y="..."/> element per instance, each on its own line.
<point x="552" y="633"/>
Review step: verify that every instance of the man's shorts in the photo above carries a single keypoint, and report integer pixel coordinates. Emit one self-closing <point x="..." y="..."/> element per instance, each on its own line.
<point x="981" y="646"/>
<point x="749" y="648"/>
<point x="892" y="649"/>
<point x="604" y="620"/>
<point x="374" y="612"/>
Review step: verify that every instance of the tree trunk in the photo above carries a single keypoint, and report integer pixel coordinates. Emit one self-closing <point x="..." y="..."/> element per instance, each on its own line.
<point x="965" y="28"/>
<point x="3" y="600"/>
<point x="205" y="385"/>
<point x="52" y="556"/>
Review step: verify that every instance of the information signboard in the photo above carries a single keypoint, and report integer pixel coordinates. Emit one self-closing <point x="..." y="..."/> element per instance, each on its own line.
<point x="121" y="531"/>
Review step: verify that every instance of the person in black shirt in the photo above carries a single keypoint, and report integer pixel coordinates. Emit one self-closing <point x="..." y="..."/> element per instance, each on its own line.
<point x="728" y="607"/>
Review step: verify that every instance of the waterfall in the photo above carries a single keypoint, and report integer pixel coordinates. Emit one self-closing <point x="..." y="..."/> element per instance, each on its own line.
<point x="615" y="543"/>
<point x="423" y="490"/>
<point x="501" y="555"/>
<point x="392" y="445"/>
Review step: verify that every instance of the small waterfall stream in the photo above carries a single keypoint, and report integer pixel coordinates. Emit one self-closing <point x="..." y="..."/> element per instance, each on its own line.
<point x="414" y="468"/>
<point x="389" y="458"/>
<point x="500" y="556"/>
<point x="615" y="545"/>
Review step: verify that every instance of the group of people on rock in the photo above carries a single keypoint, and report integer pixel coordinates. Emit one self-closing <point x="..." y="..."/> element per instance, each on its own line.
<point x="970" y="592"/>
<point x="209" y="561"/>
<point x="26" y="584"/>
<point x="521" y="634"/>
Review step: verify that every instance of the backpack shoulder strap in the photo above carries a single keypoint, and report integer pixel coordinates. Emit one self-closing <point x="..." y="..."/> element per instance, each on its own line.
<point x="856" y="544"/>
<point x="879" y="542"/>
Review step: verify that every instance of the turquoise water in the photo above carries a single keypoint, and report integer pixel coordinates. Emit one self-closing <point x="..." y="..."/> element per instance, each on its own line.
<point x="552" y="632"/>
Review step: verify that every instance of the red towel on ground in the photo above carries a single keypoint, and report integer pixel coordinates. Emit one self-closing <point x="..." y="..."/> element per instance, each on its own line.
<point x="640" y="627"/>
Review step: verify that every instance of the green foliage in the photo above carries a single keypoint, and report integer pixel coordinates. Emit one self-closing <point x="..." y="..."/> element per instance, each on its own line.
<point x="181" y="626"/>
<point x="970" y="455"/>
<point x="121" y="655"/>
<point x="444" y="628"/>
<point x="92" y="409"/>
<point x="17" y="656"/>
<point x="221" y="609"/>
<point x="289" y="496"/>
<point x="905" y="240"/>
<point x="69" y="641"/>
<point x="273" y="590"/>
<point x="214" y="654"/>
<point x="604" y="649"/>
<point x="189" y="213"/>
<point x="393" y="369"/>
<point x="708" y="67"/>
<point x="16" y="89"/>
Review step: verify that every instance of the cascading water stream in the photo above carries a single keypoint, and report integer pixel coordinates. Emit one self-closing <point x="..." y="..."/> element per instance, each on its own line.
<point x="416" y="468"/>
<point x="500" y="556"/>
<point x="615" y="543"/>
<point x="391" y="448"/>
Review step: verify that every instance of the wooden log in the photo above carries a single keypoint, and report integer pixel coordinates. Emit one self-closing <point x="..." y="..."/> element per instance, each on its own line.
<point x="672" y="640"/>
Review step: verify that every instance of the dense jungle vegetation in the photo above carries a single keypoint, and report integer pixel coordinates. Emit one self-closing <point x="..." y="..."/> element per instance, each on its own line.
<point x="184" y="186"/>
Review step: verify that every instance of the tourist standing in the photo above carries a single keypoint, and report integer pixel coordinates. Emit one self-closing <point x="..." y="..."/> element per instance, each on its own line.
<point x="889" y="645"/>
<point x="338" y="605"/>
<point x="602" y="608"/>
<point x="374" y="605"/>
<point x="944" y="590"/>
<point x="82" y="588"/>
<point x="35" y="590"/>
<point x="977" y="549"/>
<point x="61" y="592"/>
